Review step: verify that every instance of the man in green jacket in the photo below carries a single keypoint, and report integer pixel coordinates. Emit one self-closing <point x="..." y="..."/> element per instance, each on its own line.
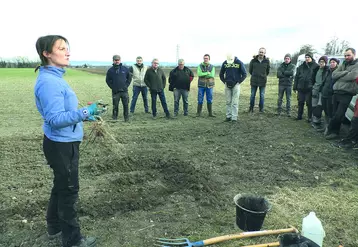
<point x="155" y="80"/>
<point x="206" y="83"/>
<point x="259" y="68"/>
<point x="344" y="89"/>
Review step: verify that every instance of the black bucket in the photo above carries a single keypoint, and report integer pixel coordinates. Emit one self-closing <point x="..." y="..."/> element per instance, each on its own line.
<point x="250" y="211"/>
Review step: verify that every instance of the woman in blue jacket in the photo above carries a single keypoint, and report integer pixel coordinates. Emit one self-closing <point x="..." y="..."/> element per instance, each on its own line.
<point x="63" y="133"/>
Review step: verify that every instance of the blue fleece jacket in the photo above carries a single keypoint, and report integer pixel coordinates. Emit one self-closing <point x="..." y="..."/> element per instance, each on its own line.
<point x="234" y="73"/>
<point x="57" y="104"/>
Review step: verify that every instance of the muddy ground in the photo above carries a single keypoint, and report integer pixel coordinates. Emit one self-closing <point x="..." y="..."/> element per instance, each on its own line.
<point x="178" y="177"/>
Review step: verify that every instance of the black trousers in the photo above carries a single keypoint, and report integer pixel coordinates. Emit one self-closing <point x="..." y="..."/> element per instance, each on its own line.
<point x="116" y="97"/>
<point x="340" y="105"/>
<point x="353" y="130"/>
<point x="63" y="158"/>
<point x="327" y="106"/>
<point x="304" y="96"/>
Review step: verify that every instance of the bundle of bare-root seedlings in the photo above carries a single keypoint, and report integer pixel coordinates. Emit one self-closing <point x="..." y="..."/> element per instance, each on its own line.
<point x="98" y="130"/>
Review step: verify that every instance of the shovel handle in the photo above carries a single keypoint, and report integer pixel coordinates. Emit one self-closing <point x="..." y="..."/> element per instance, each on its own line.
<point x="247" y="235"/>
<point x="264" y="245"/>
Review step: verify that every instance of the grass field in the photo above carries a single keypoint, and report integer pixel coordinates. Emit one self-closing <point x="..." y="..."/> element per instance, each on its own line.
<point x="174" y="178"/>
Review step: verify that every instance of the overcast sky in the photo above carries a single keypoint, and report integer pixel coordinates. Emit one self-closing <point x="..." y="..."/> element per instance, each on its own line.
<point x="98" y="29"/>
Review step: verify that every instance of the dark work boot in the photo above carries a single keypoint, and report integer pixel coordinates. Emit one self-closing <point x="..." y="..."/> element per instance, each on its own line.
<point x="251" y="109"/>
<point x="86" y="242"/>
<point x="210" y="110"/>
<point x="300" y="111"/>
<point x="309" y="113"/>
<point x="115" y="115"/>
<point x="200" y="108"/>
<point x="126" y="114"/>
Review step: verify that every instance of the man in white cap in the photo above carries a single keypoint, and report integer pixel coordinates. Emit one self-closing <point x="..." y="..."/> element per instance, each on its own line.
<point x="232" y="74"/>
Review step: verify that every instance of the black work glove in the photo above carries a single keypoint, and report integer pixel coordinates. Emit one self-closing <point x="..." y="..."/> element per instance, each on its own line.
<point x="295" y="240"/>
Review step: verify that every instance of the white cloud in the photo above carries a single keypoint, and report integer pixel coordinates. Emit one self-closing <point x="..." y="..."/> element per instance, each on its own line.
<point x="97" y="30"/>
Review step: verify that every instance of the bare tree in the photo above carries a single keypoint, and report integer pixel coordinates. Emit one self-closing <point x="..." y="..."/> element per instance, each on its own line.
<point x="307" y="48"/>
<point x="336" y="46"/>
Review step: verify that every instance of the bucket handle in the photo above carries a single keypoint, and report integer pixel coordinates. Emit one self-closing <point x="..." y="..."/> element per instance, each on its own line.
<point x="250" y="211"/>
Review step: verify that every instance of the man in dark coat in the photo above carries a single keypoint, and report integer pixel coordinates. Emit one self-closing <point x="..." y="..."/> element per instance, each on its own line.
<point x="155" y="80"/>
<point x="285" y="76"/>
<point x="118" y="79"/>
<point x="179" y="82"/>
<point x="304" y="80"/>
<point x="259" y="68"/>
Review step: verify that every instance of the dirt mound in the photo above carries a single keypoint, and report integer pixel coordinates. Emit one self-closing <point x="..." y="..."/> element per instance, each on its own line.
<point x="144" y="183"/>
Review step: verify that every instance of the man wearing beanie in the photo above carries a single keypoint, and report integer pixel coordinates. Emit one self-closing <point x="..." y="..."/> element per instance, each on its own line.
<point x="304" y="80"/>
<point x="285" y="76"/>
<point x="344" y="89"/>
<point x="327" y="92"/>
<point x="118" y="79"/>
<point x="323" y="76"/>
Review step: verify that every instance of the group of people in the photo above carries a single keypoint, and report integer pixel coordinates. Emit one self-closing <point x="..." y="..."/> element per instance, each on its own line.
<point x="232" y="74"/>
<point x="320" y="86"/>
<point x="325" y="87"/>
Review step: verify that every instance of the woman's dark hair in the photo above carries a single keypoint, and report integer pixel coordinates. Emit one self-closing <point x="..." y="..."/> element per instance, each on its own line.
<point x="45" y="43"/>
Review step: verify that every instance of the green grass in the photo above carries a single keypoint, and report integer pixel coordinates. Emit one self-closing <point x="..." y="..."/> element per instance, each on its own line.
<point x="174" y="178"/>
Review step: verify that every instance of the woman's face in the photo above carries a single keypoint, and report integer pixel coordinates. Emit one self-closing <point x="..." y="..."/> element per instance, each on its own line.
<point x="60" y="55"/>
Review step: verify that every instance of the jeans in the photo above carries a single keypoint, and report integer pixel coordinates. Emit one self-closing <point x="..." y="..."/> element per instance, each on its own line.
<point x="181" y="93"/>
<point x="136" y="91"/>
<point x="253" y="95"/>
<point x="232" y="101"/>
<point x="116" y="97"/>
<point x="162" y="101"/>
<point x="209" y="95"/>
<point x="63" y="158"/>
<point x="281" y="91"/>
<point x="340" y="105"/>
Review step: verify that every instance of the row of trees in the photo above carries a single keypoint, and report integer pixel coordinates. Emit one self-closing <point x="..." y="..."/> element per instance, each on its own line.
<point x="334" y="47"/>
<point x="18" y="62"/>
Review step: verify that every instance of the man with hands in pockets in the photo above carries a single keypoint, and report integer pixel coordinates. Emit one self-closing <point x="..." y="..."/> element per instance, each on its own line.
<point x="232" y="74"/>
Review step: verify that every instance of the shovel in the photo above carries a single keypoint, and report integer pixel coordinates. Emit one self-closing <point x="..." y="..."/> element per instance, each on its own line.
<point x="184" y="242"/>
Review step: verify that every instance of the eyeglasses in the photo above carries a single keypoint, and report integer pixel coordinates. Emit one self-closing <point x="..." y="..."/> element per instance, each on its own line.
<point x="307" y="57"/>
<point x="155" y="63"/>
<point x="116" y="60"/>
<point x="181" y="64"/>
<point x="347" y="55"/>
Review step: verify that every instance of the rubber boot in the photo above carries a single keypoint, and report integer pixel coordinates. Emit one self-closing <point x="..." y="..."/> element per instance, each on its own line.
<point x="200" y="108"/>
<point x="210" y="110"/>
